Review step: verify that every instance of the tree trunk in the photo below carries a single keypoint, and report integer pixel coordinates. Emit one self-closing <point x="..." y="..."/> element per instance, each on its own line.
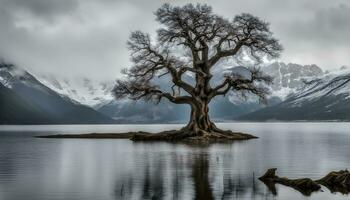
<point x="200" y="122"/>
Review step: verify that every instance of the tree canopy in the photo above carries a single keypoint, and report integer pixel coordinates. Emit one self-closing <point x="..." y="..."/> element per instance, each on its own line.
<point x="192" y="40"/>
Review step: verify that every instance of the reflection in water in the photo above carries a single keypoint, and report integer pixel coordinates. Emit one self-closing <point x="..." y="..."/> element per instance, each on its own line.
<point x="271" y="186"/>
<point x="200" y="176"/>
<point x="187" y="176"/>
<point x="341" y="189"/>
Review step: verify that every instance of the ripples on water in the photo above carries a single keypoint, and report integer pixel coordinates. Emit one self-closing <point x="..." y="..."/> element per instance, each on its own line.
<point x="50" y="169"/>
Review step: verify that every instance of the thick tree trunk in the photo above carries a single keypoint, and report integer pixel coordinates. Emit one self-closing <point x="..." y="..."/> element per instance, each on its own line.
<point x="200" y="122"/>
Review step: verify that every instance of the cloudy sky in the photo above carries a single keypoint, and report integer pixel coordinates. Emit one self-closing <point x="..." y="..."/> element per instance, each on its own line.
<point x="88" y="37"/>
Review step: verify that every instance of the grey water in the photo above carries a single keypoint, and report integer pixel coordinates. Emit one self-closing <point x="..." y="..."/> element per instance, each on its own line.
<point x="113" y="169"/>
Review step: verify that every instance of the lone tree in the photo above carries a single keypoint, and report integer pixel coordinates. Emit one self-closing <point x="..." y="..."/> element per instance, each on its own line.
<point x="206" y="39"/>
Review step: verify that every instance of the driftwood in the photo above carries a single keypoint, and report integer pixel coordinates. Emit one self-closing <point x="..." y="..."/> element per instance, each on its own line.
<point x="304" y="185"/>
<point x="336" y="181"/>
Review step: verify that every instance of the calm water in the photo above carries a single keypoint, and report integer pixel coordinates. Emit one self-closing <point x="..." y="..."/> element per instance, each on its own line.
<point x="50" y="169"/>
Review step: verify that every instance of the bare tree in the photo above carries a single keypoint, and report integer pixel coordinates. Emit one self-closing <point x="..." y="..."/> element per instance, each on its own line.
<point x="207" y="39"/>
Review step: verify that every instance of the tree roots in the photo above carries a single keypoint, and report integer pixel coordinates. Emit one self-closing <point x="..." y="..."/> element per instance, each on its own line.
<point x="186" y="134"/>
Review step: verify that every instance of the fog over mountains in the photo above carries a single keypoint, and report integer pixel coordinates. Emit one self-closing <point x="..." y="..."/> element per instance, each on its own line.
<point x="299" y="92"/>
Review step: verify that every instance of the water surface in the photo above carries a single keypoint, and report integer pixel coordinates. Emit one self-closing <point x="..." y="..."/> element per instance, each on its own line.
<point x="106" y="169"/>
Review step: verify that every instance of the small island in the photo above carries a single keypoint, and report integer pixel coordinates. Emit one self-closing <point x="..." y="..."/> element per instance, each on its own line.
<point x="171" y="135"/>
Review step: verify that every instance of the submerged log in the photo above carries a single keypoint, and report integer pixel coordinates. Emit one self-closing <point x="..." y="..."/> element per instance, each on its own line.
<point x="337" y="181"/>
<point x="304" y="185"/>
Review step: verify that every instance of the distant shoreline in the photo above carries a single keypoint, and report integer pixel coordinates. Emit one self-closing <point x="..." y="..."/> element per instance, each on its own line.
<point x="178" y="123"/>
<point x="91" y="136"/>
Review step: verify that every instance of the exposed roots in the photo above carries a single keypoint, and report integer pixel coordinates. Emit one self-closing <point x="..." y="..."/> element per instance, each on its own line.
<point x="186" y="134"/>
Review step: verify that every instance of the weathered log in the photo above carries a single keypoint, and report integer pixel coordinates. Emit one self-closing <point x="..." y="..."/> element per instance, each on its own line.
<point x="269" y="174"/>
<point x="337" y="181"/>
<point x="304" y="185"/>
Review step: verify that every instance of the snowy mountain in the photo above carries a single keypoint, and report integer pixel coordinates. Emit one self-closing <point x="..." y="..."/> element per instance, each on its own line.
<point x="289" y="77"/>
<point x="324" y="98"/>
<point x="25" y="100"/>
<point x="83" y="90"/>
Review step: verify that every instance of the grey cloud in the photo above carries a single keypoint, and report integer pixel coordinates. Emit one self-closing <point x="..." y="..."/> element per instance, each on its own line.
<point x="334" y="18"/>
<point x="329" y="25"/>
<point x="320" y="37"/>
<point x="44" y="9"/>
<point x="88" y="37"/>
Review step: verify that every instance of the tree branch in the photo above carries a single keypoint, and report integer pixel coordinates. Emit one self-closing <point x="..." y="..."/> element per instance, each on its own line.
<point x="135" y="91"/>
<point x="255" y="84"/>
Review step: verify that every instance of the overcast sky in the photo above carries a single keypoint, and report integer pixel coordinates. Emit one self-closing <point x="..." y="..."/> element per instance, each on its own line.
<point x="88" y="37"/>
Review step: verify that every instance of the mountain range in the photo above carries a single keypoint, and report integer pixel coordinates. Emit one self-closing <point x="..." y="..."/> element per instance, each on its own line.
<point x="324" y="98"/>
<point x="299" y="92"/>
<point x="25" y="100"/>
<point x="288" y="77"/>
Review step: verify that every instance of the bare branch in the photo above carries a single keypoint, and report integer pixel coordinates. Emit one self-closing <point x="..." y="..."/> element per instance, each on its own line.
<point x="136" y="91"/>
<point x="249" y="32"/>
<point x="256" y="83"/>
<point x="150" y="61"/>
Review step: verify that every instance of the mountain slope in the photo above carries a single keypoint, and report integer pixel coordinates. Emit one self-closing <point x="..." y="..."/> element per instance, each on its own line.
<point x="16" y="110"/>
<point x="326" y="98"/>
<point x="25" y="100"/>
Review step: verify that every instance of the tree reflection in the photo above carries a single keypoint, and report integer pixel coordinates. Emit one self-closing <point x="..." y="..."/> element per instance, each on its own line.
<point x="200" y="175"/>
<point x="191" y="175"/>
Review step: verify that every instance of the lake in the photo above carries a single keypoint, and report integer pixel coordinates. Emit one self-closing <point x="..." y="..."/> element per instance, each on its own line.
<point x="109" y="169"/>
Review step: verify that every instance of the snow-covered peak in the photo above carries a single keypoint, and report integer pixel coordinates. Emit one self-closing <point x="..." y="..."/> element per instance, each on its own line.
<point x="11" y="75"/>
<point x="332" y="83"/>
<point x="86" y="91"/>
<point x="289" y="77"/>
